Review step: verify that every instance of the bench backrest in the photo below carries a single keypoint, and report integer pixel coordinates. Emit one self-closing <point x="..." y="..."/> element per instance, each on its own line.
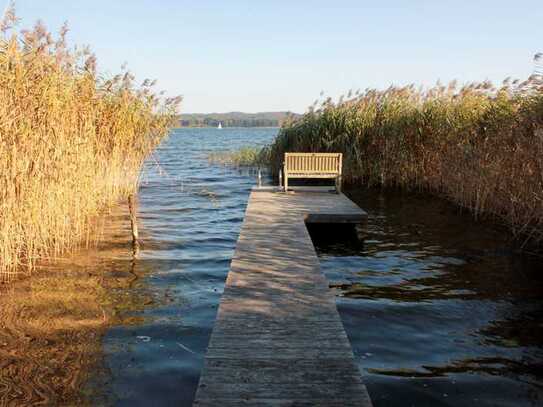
<point x="313" y="163"/>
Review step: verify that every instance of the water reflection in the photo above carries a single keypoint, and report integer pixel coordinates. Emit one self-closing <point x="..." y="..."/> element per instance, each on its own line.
<point x="438" y="308"/>
<point x="51" y="324"/>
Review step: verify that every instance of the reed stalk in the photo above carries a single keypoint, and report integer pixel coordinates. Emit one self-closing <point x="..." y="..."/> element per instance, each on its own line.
<point x="71" y="143"/>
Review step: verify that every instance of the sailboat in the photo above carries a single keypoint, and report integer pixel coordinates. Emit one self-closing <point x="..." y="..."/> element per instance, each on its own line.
<point x="219" y="126"/>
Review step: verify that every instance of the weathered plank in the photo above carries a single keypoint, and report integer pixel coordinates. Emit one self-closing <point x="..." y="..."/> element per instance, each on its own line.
<point x="278" y="339"/>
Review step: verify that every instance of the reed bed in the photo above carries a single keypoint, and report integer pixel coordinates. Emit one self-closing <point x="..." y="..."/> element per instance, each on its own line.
<point x="477" y="145"/>
<point x="71" y="142"/>
<point x="243" y="157"/>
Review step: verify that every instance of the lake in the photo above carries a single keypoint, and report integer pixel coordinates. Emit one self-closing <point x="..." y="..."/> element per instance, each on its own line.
<point x="438" y="309"/>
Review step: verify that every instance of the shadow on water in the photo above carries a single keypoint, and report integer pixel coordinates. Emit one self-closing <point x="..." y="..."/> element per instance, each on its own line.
<point x="340" y="239"/>
<point x="438" y="308"/>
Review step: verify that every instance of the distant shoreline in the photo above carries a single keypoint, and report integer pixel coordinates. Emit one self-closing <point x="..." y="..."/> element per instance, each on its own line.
<point x="227" y="127"/>
<point x="234" y="119"/>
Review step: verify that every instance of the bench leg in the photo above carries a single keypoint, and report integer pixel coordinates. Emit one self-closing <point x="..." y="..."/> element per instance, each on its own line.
<point x="338" y="184"/>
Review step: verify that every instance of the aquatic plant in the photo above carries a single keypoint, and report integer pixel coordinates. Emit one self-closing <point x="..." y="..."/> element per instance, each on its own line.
<point x="244" y="157"/>
<point x="72" y="142"/>
<point x="478" y="145"/>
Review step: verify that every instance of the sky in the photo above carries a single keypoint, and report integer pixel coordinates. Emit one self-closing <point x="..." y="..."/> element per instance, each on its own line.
<point x="277" y="55"/>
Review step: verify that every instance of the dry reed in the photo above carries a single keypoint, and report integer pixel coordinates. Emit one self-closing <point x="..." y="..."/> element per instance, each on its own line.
<point x="477" y="145"/>
<point x="71" y="142"/>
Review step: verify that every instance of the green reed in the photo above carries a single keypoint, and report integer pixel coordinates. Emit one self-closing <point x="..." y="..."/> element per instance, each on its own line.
<point x="243" y="157"/>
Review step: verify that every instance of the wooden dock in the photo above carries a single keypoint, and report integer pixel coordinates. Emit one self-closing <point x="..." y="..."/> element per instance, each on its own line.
<point x="278" y="339"/>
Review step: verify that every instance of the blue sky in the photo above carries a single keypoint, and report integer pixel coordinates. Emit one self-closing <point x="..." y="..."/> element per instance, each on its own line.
<point x="279" y="55"/>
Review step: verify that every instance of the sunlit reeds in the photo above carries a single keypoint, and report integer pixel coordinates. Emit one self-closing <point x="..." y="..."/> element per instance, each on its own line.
<point x="477" y="145"/>
<point x="71" y="142"/>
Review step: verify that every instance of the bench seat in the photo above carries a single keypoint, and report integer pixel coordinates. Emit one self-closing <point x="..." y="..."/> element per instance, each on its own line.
<point x="311" y="175"/>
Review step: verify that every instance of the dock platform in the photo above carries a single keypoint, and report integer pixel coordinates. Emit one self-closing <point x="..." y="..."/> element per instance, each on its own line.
<point x="278" y="339"/>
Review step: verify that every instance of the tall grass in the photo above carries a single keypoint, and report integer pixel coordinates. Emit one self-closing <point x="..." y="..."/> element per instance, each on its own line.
<point x="477" y="145"/>
<point x="243" y="157"/>
<point x="71" y="142"/>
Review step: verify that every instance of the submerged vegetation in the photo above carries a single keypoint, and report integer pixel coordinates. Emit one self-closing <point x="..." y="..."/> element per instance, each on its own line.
<point x="477" y="145"/>
<point x="71" y="142"/>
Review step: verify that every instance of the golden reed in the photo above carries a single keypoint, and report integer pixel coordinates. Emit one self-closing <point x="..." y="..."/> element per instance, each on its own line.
<point x="71" y="142"/>
<point x="479" y="146"/>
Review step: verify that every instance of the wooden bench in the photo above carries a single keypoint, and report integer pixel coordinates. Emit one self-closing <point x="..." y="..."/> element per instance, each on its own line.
<point x="313" y="165"/>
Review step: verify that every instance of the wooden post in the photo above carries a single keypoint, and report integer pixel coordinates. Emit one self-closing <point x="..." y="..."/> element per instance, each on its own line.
<point x="134" y="224"/>
<point x="338" y="184"/>
<point x="340" y="169"/>
<point x="280" y="178"/>
<point x="285" y="172"/>
<point x="259" y="178"/>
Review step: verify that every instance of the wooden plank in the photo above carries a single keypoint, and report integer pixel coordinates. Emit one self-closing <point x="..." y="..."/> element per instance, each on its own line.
<point x="280" y="403"/>
<point x="278" y="339"/>
<point x="323" y="390"/>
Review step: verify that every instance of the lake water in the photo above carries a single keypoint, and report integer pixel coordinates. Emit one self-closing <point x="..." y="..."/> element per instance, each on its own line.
<point x="438" y="311"/>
